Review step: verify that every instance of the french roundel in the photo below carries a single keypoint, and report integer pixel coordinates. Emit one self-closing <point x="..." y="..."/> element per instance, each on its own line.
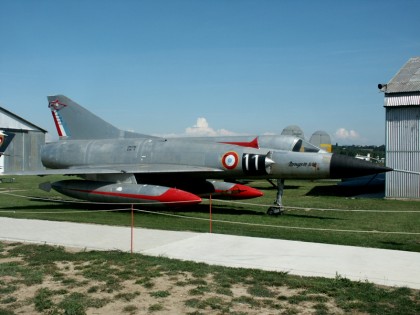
<point x="230" y="160"/>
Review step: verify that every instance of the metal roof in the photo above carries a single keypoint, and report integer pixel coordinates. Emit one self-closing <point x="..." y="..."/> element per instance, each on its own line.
<point x="407" y="79"/>
<point x="22" y="120"/>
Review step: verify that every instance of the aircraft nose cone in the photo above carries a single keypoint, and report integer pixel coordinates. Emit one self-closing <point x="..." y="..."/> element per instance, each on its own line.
<point x="343" y="166"/>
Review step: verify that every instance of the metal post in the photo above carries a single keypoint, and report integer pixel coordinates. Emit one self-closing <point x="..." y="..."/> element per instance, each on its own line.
<point x="132" y="228"/>
<point x="211" y="225"/>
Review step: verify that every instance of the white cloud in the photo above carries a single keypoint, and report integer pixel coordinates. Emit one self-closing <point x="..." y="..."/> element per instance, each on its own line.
<point x="203" y="129"/>
<point x="344" y="134"/>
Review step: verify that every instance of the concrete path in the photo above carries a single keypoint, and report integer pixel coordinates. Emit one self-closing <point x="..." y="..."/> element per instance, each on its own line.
<point x="386" y="267"/>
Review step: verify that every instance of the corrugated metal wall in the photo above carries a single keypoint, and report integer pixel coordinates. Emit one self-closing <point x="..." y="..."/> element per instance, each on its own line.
<point x="24" y="151"/>
<point x="402" y="100"/>
<point x="403" y="151"/>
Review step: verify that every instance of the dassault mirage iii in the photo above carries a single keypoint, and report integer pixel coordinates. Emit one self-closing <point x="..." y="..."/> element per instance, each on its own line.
<point x="127" y="167"/>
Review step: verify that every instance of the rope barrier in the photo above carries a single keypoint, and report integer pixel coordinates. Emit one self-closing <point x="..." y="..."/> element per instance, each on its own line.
<point x="277" y="226"/>
<point x="62" y="212"/>
<point x="218" y="221"/>
<point x="3" y="191"/>
<point x="316" y="209"/>
<point x="90" y="202"/>
<point x="213" y="200"/>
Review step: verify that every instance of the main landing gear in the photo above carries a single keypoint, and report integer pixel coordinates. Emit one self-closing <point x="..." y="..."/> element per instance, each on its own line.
<point x="277" y="208"/>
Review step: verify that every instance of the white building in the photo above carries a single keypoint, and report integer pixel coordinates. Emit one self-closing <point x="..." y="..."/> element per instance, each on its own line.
<point x="402" y="105"/>
<point x="23" y="152"/>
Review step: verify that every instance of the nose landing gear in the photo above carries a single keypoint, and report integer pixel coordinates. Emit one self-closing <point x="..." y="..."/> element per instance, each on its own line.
<point x="278" y="208"/>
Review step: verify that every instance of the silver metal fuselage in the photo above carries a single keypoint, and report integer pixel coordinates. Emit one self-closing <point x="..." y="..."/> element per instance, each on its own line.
<point x="138" y="152"/>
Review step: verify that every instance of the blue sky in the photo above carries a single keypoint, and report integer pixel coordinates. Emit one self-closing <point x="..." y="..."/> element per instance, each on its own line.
<point x="215" y="67"/>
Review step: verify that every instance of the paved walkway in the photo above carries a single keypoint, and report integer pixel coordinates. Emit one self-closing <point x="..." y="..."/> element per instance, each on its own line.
<point x="387" y="267"/>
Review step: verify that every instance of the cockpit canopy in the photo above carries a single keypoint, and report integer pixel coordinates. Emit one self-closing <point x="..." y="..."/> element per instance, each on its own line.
<point x="304" y="146"/>
<point x="287" y="143"/>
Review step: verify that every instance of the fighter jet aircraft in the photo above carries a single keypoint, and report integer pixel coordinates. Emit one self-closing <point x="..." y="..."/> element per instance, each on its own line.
<point x="126" y="167"/>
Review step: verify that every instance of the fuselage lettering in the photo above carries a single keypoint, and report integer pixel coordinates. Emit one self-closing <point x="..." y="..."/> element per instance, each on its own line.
<point x="302" y="164"/>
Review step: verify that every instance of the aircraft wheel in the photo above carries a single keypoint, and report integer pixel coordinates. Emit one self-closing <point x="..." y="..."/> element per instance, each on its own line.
<point x="275" y="211"/>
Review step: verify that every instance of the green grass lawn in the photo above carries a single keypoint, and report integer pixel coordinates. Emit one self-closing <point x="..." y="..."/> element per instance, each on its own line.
<point x="394" y="225"/>
<point x="48" y="280"/>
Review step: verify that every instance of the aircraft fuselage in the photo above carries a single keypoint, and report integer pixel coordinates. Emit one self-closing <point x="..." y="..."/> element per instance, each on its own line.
<point x="233" y="161"/>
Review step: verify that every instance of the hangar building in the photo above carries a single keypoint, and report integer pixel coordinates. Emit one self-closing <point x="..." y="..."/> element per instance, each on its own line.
<point x="23" y="152"/>
<point x="402" y="106"/>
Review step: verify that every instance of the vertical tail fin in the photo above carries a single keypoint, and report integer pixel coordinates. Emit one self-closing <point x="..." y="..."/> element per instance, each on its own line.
<point x="5" y="139"/>
<point x="75" y="122"/>
<point x="322" y="140"/>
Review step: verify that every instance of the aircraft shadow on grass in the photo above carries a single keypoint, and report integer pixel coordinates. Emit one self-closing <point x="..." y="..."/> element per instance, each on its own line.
<point x="305" y="216"/>
<point x="343" y="191"/>
<point x="217" y="209"/>
<point x="51" y="207"/>
<point x="68" y="206"/>
<point x="286" y="187"/>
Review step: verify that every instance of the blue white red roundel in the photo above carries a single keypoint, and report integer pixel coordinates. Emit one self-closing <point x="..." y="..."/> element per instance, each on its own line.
<point x="230" y="160"/>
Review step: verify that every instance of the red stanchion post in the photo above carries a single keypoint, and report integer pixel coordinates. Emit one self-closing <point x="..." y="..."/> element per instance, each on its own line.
<point x="211" y="223"/>
<point x="132" y="228"/>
